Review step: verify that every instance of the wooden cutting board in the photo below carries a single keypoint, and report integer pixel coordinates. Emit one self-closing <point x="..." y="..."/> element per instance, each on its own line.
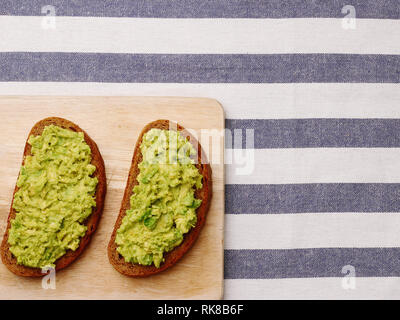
<point x="114" y="123"/>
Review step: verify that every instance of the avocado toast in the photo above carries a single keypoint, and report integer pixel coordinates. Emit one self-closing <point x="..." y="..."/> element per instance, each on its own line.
<point x="34" y="246"/>
<point x="150" y="236"/>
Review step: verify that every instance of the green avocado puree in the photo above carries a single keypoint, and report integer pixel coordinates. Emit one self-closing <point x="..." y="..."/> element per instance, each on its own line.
<point x="56" y="194"/>
<point x="162" y="206"/>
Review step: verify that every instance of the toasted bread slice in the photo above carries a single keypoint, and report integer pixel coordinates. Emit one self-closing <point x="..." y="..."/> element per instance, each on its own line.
<point x="205" y="193"/>
<point x="91" y="222"/>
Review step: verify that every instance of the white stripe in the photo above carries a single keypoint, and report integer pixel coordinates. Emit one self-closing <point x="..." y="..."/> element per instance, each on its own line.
<point x="313" y="165"/>
<point x="312" y="288"/>
<point x="138" y="35"/>
<point x="312" y="230"/>
<point x="273" y="101"/>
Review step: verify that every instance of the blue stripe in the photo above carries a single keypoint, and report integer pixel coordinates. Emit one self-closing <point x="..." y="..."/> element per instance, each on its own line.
<point x="316" y="133"/>
<point x="311" y="197"/>
<point x="198" y="68"/>
<point x="309" y="263"/>
<point x="374" y="9"/>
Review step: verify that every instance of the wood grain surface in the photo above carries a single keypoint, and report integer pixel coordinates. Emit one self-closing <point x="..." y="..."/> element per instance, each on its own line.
<point x="114" y="123"/>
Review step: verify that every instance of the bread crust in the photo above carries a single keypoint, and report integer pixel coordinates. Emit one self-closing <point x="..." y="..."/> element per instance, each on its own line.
<point x="205" y="193"/>
<point x="91" y="222"/>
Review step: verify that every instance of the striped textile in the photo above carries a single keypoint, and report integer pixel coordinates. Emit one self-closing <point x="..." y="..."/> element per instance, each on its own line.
<point x="323" y="100"/>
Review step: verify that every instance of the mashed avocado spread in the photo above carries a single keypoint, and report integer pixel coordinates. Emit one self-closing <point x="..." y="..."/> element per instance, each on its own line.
<point x="56" y="194"/>
<point x="162" y="206"/>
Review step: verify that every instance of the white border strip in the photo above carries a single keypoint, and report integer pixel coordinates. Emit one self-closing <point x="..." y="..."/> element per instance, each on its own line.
<point x="313" y="165"/>
<point x="201" y="36"/>
<point x="312" y="230"/>
<point x="263" y="101"/>
<point x="312" y="288"/>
